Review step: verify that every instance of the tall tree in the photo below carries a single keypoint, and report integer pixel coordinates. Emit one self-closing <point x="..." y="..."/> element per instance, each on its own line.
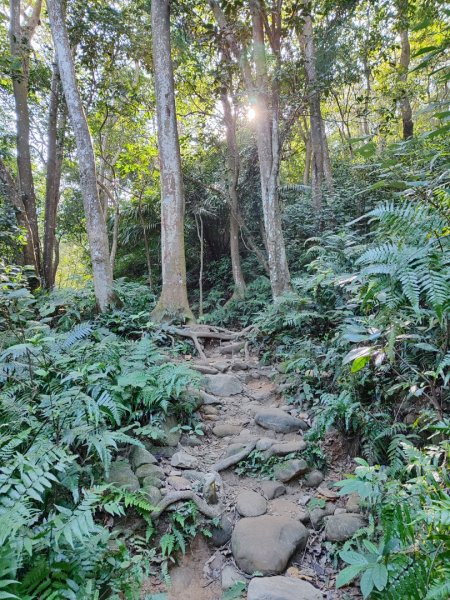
<point x="173" y="299"/>
<point x="405" y="58"/>
<point x="20" y="36"/>
<point x="55" y="149"/>
<point x="95" y="218"/>
<point x="321" y="168"/>
<point x="232" y="165"/>
<point x="266" y="91"/>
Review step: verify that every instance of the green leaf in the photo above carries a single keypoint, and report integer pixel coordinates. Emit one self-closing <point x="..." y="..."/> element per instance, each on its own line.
<point x="360" y="363"/>
<point x="380" y="576"/>
<point x="367" y="583"/>
<point x="353" y="558"/>
<point x="348" y="574"/>
<point x="235" y="591"/>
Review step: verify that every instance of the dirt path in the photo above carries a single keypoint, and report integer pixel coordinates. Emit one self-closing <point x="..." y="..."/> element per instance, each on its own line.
<point x="280" y="519"/>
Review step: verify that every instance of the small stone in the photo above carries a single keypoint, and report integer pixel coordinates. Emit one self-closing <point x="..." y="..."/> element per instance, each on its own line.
<point x="211" y="487"/>
<point x="149" y="471"/>
<point x="265" y="443"/>
<point x="223" y="385"/>
<point x="222" y="365"/>
<point x="234" y="449"/>
<point x="277" y="420"/>
<point x="152" y="481"/>
<point x="121" y="475"/>
<point x="172" y="434"/>
<point x="250" y="504"/>
<point x="141" y="456"/>
<point x="314" y="478"/>
<point x="239" y="365"/>
<point x="226" y="430"/>
<point x="283" y="448"/>
<point x="179" y="483"/>
<point x="272" y="489"/>
<point x="230" y="576"/>
<point x="153" y="494"/>
<point x="209" y="410"/>
<point x="339" y="528"/>
<point x="316" y="516"/>
<point x="221" y="534"/>
<point x="289" y="469"/>
<point x="206" y="370"/>
<point x="183" y="460"/>
<point x="303" y="515"/>
<point x="340" y="511"/>
<point x="266" y="543"/>
<point x="190" y="441"/>
<point x="353" y="503"/>
<point x="282" y="588"/>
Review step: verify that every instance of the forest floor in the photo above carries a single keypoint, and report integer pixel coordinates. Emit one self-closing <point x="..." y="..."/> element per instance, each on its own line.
<point x="290" y="514"/>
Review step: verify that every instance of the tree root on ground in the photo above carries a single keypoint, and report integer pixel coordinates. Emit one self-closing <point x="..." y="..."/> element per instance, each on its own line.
<point x="173" y="497"/>
<point x="225" y="463"/>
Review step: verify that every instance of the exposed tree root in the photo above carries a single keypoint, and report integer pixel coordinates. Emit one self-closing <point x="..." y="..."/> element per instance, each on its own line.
<point x="207" y="332"/>
<point x="234" y="458"/>
<point x="173" y="497"/>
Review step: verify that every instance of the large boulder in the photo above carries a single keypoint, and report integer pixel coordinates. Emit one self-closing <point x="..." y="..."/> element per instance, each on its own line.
<point x="223" y="385"/>
<point x="289" y="469"/>
<point x="121" y="475"/>
<point x="266" y="543"/>
<point x="149" y="471"/>
<point x="339" y="528"/>
<point x="282" y="588"/>
<point x="250" y="504"/>
<point x="279" y="421"/>
<point x="221" y="533"/>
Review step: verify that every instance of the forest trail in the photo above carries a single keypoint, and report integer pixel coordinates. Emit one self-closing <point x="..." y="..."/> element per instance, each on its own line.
<point x="271" y="523"/>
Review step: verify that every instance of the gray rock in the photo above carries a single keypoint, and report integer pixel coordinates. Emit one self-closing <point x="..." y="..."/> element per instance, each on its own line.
<point x="250" y="504"/>
<point x="230" y="576"/>
<point x="149" y="471"/>
<point x="210" y="410"/>
<point x="314" y="478"/>
<point x="353" y="503"/>
<point x="222" y="365"/>
<point x="190" y="441"/>
<point x="141" y="456"/>
<point x="234" y="449"/>
<point x="279" y="421"/>
<point x="272" y="489"/>
<point x="226" y="430"/>
<point x="152" y="481"/>
<point x="289" y="469"/>
<point x="162" y="451"/>
<point x="205" y="369"/>
<point x="179" y="483"/>
<point x="212" y="484"/>
<point x="223" y="385"/>
<point x="266" y="543"/>
<point x="221" y="534"/>
<point x="282" y="588"/>
<point x="171" y="438"/>
<point x="303" y="515"/>
<point x="239" y="365"/>
<point x="265" y="443"/>
<point x="283" y="448"/>
<point x="339" y="528"/>
<point x="153" y="494"/>
<point x="121" y="475"/>
<point x="340" y="511"/>
<point x="183" y="460"/>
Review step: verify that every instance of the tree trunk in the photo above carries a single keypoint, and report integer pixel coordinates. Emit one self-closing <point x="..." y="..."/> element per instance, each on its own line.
<point x="232" y="180"/>
<point x="173" y="299"/>
<point x="199" y="227"/>
<point x="321" y="167"/>
<point x="20" y="38"/>
<point x="268" y="144"/>
<point x="55" y="150"/>
<point x="146" y="246"/>
<point x="405" y="58"/>
<point x="95" y="219"/>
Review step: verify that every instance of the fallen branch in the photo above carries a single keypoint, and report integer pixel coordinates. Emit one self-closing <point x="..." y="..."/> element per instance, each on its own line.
<point x="173" y="497"/>
<point x="225" y="463"/>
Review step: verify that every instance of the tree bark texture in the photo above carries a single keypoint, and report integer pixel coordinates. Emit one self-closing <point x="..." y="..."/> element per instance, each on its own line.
<point x="173" y="300"/>
<point x="20" y="39"/>
<point x="55" y="151"/>
<point x="95" y="219"/>
<point x="268" y="144"/>
<point x="232" y="162"/>
<point x="405" y="104"/>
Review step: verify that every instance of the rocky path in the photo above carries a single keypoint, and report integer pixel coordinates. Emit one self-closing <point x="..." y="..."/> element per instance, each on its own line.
<point x="275" y="527"/>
